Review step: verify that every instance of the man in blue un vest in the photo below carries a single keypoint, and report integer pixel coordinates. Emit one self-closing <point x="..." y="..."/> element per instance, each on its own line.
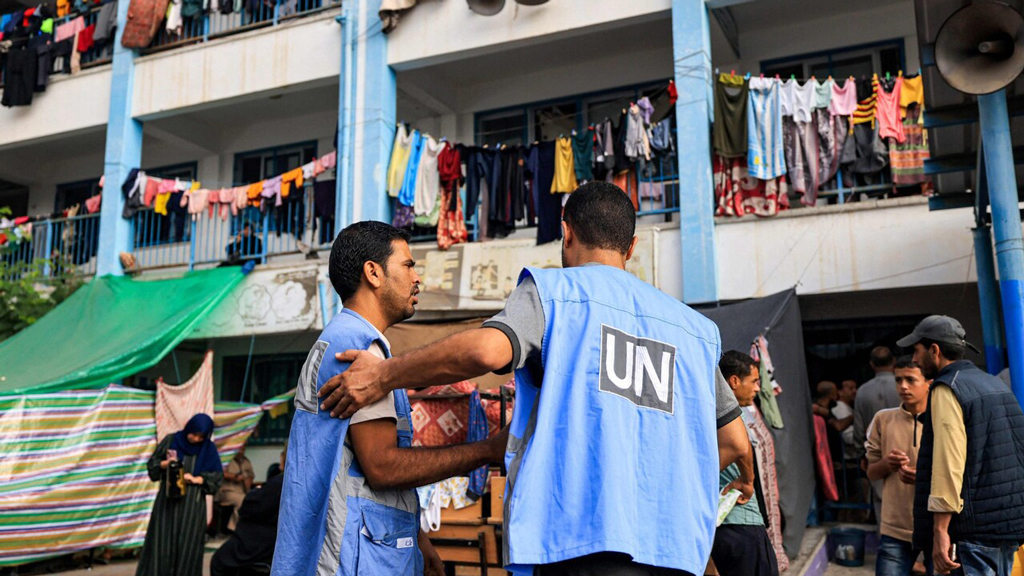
<point x="620" y="425"/>
<point x="348" y="504"/>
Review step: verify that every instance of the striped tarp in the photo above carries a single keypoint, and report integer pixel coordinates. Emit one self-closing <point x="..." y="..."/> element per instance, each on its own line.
<point x="73" y="467"/>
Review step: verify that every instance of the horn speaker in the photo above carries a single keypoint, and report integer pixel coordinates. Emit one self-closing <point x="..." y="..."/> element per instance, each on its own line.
<point x="486" y="7"/>
<point x="980" y="47"/>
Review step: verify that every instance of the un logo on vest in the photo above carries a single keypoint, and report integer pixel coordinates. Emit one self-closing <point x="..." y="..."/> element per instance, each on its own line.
<point x="638" y="369"/>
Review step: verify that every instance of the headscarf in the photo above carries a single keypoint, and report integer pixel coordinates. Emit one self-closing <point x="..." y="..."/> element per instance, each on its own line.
<point x="207" y="459"/>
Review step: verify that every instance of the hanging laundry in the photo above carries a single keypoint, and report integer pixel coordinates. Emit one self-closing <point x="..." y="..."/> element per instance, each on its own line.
<point x="646" y="109"/>
<point x="85" y="42"/>
<point x="451" y="223"/>
<point x="329" y="160"/>
<point x="673" y="93"/>
<point x="407" y="194"/>
<point x="765" y="150"/>
<point x="867" y="102"/>
<point x="272" y="189"/>
<point x="565" y="169"/>
<point x="540" y="168"/>
<point x="907" y="158"/>
<point x="289" y="178"/>
<point x="729" y="133"/>
<point x="428" y="180"/>
<point x="802" y="157"/>
<point x="106" y="22"/>
<point x="325" y="194"/>
<point x="309" y="170"/>
<point x="890" y="122"/>
<point x="20" y="77"/>
<point x="627" y="182"/>
<point x="197" y="201"/>
<point x="636" y="142"/>
<point x="92" y="205"/>
<point x="69" y="29"/>
<point x="764" y="454"/>
<point x="911" y="93"/>
<point x="844" y="99"/>
<point x="797" y="101"/>
<point x="399" y="160"/>
<point x="832" y="134"/>
<point x="583" y="156"/>
<point x="769" y="387"/>
<point x="662" y="140"/>
<point x="822" y="93"/>
<point x="738" y="194"/>
<point x="132" y="196"/>
<point x="176" y="405"/>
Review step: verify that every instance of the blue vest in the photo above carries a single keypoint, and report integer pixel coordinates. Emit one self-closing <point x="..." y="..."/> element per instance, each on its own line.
<point x="614" y="447"/>
<point x="332" y="522"/>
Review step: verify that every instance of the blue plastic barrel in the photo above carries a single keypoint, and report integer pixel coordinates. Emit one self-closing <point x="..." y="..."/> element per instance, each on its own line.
<point x="848" y="544"/>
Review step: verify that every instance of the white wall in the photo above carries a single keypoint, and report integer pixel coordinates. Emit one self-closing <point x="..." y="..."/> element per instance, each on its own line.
<point x="70" y="104"/>
<point x="846" y="27"/>
<point x="302" y="52"/>
<point x="845" y="248"/>
<point x="440" y="31"/>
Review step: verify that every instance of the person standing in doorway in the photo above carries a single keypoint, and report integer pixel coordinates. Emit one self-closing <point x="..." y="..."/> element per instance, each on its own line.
<point x="843" y="412"/>
<point x="742" y="546"/>
<point x="874" y="395"/>
<point x="969" y="489"/>
<point x="615" y="396"/>
<point x="894" y="436"/>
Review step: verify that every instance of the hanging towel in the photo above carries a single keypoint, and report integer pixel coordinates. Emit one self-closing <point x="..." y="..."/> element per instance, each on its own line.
<point x="176" y="405"/>
<point x="765" y="152"/>
<point x="399" y="160"/>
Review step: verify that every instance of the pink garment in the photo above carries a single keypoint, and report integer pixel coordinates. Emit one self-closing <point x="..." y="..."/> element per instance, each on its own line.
<point x="167" y="186"/>
<point x="198" y="200"/>
<point x="176" y="405"/>
<point x="329" y="160"/>
<point x="272" y="189"/>
<point x="213" y="198"/>
<point x="65" y="31"/>
<point x="308" y="170"/>
<point x="241" y="199"/>
<point x="92" y="205"/>
<point x="890" y="124"/>
<point x="844" y="100"/>
<point x="764" y="452"/>
<point x="152" y="187"/>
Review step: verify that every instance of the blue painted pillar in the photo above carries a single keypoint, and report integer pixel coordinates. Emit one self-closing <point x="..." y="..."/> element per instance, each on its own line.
<point x="988" y="295"/>
<point x="691" y="51"/>
<point x="369" y="130"/>
<point x="123" y="152"/>
<point x="1006" y="224"/>
<point x="343" y="145"/>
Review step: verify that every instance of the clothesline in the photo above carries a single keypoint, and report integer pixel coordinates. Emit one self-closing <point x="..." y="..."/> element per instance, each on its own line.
<point x="748" y="76"/>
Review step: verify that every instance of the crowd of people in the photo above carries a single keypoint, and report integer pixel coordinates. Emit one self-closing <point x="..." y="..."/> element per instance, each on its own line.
<point x="626" y="431"/>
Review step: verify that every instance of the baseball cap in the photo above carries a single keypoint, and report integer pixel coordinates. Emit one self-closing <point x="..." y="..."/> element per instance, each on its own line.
<point x="939" y="329"/>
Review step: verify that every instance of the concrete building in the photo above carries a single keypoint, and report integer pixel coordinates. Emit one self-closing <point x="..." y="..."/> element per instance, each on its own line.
<point x="234" y="100"/>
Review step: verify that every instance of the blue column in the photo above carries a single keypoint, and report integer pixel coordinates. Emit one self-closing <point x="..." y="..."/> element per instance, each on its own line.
<point x="1006" y="224"/>
<point x="372" y="129"/>
<point x="123" y="152"/>
<point x="988" y="296"/>
<point x="343" y="203"/>
<point x="691" y="51"/>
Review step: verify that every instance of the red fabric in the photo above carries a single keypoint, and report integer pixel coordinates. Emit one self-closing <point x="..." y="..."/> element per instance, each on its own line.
<point x="21" y="220"/>
<point x="444" y="422"/>
<point x="738" y="194"/>
<point x="29" y="12"/>
<point x="673" y="94"/>
<point x="823" y="460"/>
<point x="144" y="19"/>
<point x="3" y="238"/>
<point x="449" y="164"/>
<point x="85" y="38"/>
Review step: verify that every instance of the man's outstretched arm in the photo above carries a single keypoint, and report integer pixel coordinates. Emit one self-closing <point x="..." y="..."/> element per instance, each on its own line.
<point x="388" y="467"/>
<point x="462" y="356"/>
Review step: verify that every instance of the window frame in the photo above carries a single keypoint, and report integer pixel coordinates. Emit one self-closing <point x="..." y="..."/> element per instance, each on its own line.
<point x="809" y="59"/>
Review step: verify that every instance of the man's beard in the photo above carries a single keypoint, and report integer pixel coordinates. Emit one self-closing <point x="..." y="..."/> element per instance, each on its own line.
<point x="396" y="306"/>
<point x="928" y="367"/>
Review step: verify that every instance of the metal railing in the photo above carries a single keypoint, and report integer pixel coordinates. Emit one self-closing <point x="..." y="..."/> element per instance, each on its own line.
<point x="68" y="245"/>
<point x="225" y="17"/>
<point x="181" y="239"/>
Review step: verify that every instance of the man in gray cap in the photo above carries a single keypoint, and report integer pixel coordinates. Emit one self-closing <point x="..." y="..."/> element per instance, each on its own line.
<point x="969" y="489"/>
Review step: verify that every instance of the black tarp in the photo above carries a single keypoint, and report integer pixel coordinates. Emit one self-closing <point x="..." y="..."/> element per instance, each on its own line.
<point x="777" y="317"/>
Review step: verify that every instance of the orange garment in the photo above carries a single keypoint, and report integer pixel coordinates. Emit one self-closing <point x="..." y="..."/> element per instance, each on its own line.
<point x="287" y="178"/>
<point x="63" y="8"/>
<point x="627" y="182"/>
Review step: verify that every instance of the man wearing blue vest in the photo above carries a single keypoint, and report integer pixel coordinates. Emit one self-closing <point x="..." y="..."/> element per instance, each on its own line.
<point x="348" y="506"/>
<point x="619" y="431"/>
<point x="969" y="483"/>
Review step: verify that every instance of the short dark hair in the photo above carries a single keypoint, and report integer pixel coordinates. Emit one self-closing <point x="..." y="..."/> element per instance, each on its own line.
<point x="881" y="356"/>
<point x="736" y="363"/>
<point x="359" y="243"/>
<point x="906" y="362"/>
<point x="601" y="216"/>
<point x="951" y="352"/>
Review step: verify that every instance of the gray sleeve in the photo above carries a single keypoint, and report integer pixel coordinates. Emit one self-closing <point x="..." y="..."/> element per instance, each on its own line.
<point x="522" y="321"/>
<point x="728" y="409"/>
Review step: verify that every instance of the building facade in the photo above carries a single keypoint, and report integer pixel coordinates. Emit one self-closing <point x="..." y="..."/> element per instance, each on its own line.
<point x="238" y="98"/>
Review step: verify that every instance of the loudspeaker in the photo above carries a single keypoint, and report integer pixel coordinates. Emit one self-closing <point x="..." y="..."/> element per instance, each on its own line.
<point x="486" y="7"/>
<point x="980" y="47"/>
<point x="531" y="2"/>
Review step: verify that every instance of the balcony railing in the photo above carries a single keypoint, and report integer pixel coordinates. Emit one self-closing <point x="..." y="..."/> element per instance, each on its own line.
<point x="179" y="239"/>
<point x="68" y="245"/>
<point x="253" y="14"/>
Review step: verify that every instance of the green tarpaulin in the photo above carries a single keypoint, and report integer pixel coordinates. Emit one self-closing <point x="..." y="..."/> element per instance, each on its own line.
<point x="110" y="328"/>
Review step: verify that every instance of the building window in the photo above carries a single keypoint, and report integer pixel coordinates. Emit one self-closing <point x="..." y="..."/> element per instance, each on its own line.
<point x="268" y="376"/>
<point x="269" y="162"/>
<point x="72" y="193"/>
<point x="502" y="128"/>
<point x="859" y="61"/>
<point x="15" y="197"/>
